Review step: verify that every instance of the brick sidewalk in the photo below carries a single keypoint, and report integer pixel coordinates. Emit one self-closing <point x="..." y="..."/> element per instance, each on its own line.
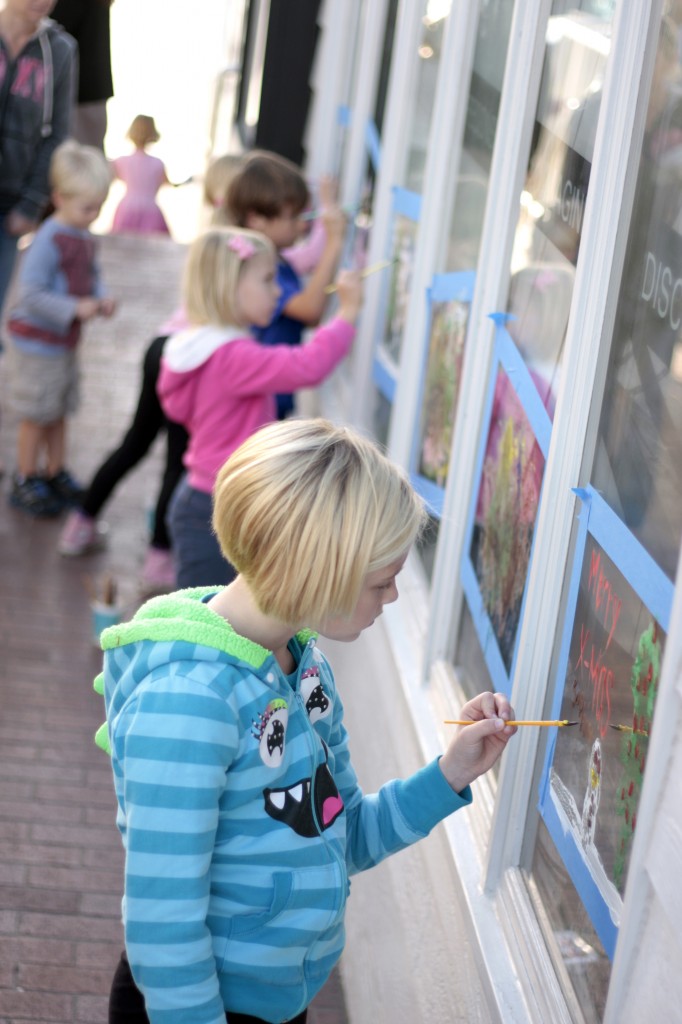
<point x="61" y="860"/>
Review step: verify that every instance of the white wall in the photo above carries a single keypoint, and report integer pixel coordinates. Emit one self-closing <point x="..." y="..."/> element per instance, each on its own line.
<point x="408" y="954"/>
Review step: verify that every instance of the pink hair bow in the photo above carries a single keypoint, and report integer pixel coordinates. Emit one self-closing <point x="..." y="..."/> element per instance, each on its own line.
<point x="243" y="247"/>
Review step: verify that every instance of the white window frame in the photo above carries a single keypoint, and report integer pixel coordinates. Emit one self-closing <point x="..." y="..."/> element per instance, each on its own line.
<point x="331" y="85"/>
<point x="400" y="95"/>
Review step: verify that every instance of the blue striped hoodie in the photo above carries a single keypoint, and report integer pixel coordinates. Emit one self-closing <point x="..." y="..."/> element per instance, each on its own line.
<point x="240" y="812"/>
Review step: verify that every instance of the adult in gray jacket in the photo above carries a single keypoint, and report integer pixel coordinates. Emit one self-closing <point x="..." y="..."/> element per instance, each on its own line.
<point x="38" y="71"/>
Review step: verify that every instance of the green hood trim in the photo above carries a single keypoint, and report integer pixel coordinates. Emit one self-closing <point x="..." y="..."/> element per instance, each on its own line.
<point x="184" y="616"/>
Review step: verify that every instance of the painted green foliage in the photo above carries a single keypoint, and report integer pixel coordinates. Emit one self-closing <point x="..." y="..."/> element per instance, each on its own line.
<point x="634" y="745"/>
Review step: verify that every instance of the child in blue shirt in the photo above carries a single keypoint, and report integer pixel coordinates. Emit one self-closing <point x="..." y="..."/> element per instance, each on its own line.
<point x="268" y="193"/>
<point x="59" y="289"/>
<point x="238" y="804"/>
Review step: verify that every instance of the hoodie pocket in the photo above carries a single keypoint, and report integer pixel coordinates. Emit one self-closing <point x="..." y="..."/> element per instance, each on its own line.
<point x="245" y="924"/>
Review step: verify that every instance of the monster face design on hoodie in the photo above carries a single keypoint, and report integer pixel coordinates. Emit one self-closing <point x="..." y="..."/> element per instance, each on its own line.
<point x="310" y="805"/>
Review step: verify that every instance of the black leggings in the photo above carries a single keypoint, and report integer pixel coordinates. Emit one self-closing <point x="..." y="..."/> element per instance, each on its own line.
<point x="126" y="1002"/>
<point x="148" y="420"/>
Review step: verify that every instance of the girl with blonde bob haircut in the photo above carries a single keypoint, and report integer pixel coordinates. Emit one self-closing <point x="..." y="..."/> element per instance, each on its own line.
<point x="212" y="274"/>
<point x="304" y="510"/>
<point x="225" y="724"/>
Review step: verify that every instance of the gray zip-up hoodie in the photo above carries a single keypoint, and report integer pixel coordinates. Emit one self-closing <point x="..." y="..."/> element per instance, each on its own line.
<point x="37" y="91"/>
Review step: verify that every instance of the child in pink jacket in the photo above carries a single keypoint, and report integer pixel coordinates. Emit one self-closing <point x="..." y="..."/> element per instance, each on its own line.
<point x="220" y="383"/>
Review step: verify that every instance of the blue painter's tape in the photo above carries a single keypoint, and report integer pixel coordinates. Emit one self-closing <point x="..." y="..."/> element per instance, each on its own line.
<point x="635" y="563"/>
<point x="457" y="285"/>
<point x="343" y="116"/>
<point x="521" y="380"/>
<point x="432" y="494"/>
<point x="590" y="894"/>
<point x="484" y="628"/>
<point x="407" y="204"/>
<point x="373" y="143"/>
<point x="384" y="378"/>
<point x="500" y="319"/>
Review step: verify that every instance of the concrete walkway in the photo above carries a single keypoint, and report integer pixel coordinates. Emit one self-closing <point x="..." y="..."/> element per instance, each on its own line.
<point x="61" y="860"/>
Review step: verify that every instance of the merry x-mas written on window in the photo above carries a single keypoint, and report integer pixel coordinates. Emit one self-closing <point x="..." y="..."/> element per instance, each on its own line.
<point x="616" y="623"/>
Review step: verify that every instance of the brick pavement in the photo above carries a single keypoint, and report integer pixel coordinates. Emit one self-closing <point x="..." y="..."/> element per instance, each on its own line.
<point x="61" y="859"/>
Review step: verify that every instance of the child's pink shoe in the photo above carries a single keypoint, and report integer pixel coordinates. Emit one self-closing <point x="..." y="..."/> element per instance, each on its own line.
<point x="81" y="535"/>
<point x="159" y="568"/>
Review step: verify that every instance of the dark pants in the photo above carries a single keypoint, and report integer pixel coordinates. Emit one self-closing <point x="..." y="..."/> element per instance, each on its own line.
<point x="199" y="561"/>
<point x="147" y="422"/>
<point x="126" y="1002"/>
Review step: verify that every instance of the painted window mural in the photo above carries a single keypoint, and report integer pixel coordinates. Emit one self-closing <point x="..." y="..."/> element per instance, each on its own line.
<point x="611" y="681"/>
<point x="449" y="299"/>
<point x="508" y="499"/>
<point x="400" y="281"/>
<point x="531" y="332"/>
<point x="619" y="591"/>
<point x="443" y="371"/>
<point x="610" y="667"/>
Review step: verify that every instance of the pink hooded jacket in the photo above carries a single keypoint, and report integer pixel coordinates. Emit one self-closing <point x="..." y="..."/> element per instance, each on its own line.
<point x="221" y="386"/>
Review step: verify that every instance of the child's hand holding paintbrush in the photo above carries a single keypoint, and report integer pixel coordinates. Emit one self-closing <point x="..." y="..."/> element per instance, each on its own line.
<point x="349" y="287"/>
<point x="476" y="749"/>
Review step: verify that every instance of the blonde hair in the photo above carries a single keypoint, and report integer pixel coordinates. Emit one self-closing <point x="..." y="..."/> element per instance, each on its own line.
<point x="212" y="273"/>
<point x="304" y="510"/>
<point x="216" y="181"/>
<point x="142" y="131"/>
<point x="79" y="170"/>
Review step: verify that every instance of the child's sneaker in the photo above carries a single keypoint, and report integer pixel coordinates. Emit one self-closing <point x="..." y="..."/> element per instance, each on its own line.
<point x="159" y="568"/>
<point x="81" y="535"/>
<point x="65" y="489"/>
<point x="33" y="495"/>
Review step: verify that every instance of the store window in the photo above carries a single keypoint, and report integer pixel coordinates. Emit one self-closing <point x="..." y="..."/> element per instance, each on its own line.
<point x="361" y="225"/>
<point x="451" y="290"/>
<point x="530" y="333"/>
<point x="407" y="209"/>
<point x="618" y="592"/>
<point x="357" y="12"/>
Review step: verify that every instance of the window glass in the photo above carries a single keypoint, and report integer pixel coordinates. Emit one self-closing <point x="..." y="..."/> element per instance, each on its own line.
<point x="396" y="284"/>
<point x="449" y="316"/>
<point x="545" y="251"/>
<point x="429" y="51"/>
<point x="580" y="957"/>
<point x="345" y="114"/>
<point x="443" y="368"/>
<point x="617" y="642"/>
<point x="638" y="467"/>
<point x="362" y="217"/>
<point x="466" y="218"/>
<point x="403" y="248"/>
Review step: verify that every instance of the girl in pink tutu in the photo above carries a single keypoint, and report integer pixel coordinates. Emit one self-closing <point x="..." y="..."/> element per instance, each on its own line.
<point x="143" y="176"/>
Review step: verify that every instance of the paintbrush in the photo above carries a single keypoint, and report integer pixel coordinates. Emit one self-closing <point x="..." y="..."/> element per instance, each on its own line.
<point x="381" y="265"/>
<point x="468" y="721"/>
<point x="350" y="211"/>
<point x="628" y="728"/>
